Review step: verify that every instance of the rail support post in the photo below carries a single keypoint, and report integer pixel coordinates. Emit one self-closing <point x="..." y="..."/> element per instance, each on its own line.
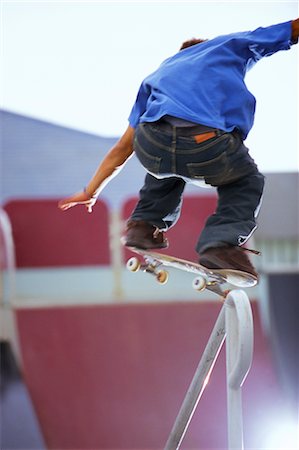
<point x="239" y="351"/>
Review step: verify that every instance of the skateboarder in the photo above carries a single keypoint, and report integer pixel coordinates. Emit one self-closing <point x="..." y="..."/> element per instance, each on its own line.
<point x="188" y="124"/>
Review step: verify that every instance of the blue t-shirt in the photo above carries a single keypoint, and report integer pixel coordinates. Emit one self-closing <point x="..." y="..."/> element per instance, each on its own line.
<point x="205" y="83"/>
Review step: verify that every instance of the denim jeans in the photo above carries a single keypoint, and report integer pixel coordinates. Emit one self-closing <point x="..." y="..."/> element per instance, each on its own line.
<point x="172" y="159"/>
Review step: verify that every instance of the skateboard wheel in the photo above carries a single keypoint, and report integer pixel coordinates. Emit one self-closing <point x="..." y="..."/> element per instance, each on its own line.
<point x="133" y="264"/>
<point x="162" y="276"/>
<point x="199" y="284"/>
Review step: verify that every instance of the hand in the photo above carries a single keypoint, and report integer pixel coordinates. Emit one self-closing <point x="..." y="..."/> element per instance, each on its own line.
<point x="81" y="198"/>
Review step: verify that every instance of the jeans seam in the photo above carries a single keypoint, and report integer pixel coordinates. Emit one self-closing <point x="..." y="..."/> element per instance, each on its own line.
<point x="198" y="149"/>
<point x="173" y="151"/>
<point x="202" y="148"/>
<point x="152" y="141"/>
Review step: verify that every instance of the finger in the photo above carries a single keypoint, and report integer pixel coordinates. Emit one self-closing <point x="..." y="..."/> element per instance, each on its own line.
<point x="62" y="204"/>
<point x="65" y="206"/>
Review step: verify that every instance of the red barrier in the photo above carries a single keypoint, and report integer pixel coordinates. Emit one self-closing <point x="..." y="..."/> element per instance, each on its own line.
<point x="114" y="377"/>
<point x="184" y="235"/>
<point x="45" y="236"/>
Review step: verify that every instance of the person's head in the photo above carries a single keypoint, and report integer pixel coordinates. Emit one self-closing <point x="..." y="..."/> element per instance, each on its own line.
<point x="191" y="42"/>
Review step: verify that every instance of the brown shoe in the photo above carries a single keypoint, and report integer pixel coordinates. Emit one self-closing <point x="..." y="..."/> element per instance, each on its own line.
<point x="227" y="257"/>
<point x="143" y="235"/>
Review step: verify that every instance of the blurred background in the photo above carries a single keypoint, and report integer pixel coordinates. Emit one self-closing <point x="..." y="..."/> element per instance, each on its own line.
<point x="92" y="356"/>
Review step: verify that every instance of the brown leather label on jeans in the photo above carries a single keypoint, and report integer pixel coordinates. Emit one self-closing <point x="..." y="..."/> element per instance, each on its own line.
<point x="204" y="136"/>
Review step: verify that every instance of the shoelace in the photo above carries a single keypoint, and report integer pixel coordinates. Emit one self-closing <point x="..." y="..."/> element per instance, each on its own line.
<point x="156" y="233"/>
<point x="134" y="224"/>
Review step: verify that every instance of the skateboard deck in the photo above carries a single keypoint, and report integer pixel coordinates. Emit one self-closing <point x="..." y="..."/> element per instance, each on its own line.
<point x="211" y="279"/>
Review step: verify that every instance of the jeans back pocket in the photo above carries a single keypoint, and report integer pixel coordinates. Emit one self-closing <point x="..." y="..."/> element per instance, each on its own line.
<point x="150" y="162"/>
<point x="213" y="171"/>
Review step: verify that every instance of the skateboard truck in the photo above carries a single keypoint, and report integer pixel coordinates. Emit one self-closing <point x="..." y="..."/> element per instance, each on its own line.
<point x="201" y="283"/>
<point x="151" y="267"/>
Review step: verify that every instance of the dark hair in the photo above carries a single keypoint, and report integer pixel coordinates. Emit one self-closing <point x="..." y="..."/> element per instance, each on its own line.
<point x="191" y="42"/>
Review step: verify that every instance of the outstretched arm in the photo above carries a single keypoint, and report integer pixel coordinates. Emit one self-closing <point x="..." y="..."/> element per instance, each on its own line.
<point x="108" y="168"/>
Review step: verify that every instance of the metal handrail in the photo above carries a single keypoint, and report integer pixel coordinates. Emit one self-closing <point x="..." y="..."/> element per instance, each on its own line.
<point x="8" y="327"/>
<point x="239" y="352"/>
<point x="235" y="323"/>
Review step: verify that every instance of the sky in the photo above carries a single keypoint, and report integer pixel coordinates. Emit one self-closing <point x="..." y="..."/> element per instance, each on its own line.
<point x="80" y="64"/>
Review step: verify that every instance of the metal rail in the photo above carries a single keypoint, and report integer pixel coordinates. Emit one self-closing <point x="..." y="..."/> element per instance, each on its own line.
<point x="236" y="324"/>
<point x="8" y="281"/>
<point x="8" y="328"/>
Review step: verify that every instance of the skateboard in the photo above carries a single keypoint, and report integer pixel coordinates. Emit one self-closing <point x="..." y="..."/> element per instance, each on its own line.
<point x="211" y="279"/>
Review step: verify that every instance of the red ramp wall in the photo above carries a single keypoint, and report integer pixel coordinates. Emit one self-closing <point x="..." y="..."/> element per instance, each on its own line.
<point x="44" y="236"/>
<point x="114" y="377"/>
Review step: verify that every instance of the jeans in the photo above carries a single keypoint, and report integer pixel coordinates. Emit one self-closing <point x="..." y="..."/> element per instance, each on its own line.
<point x="172" y="159"/>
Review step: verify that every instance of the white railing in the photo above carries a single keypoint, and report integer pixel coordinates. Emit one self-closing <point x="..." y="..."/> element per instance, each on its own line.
<point x="8" y="274"/>
<point x="234" y="323"/>
<point x="8" y="328"/>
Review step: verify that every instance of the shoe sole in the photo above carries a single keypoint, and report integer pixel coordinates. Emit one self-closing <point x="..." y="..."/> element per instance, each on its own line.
<point x="219" y="265"/>
<point x="142" y="246"/>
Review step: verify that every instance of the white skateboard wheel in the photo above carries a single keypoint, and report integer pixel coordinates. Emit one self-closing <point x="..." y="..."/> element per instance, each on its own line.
<point x="133" y="264"/>
<point x="199" y="283"/>
<point x="162" y="276"/>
